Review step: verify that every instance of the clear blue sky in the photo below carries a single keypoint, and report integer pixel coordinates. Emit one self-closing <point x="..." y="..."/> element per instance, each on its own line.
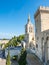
<point x="14" y="14"/>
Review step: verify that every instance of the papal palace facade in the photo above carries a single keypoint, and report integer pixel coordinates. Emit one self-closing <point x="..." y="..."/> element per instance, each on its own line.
<point x="41" y="38"/>
<point x="42" y="33"/>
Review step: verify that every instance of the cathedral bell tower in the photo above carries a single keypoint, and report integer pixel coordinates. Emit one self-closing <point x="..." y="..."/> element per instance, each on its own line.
<point x="28" y="26"/>
<point x="29" y="33"/>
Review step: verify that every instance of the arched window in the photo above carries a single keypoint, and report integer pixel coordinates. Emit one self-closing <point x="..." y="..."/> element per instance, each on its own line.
<point x="47" y="38"/>
<point x="36" y="45"/>
<point x="33" y="38"/>
<point x="30" y="29"/>
<point x="37" y="38"/>
<point x="42" y="38"/>
<point x="26" y="29"/>
<point x="42" y="42"/>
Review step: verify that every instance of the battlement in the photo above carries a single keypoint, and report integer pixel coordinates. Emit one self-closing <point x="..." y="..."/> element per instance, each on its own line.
<point x="42" y="9"/>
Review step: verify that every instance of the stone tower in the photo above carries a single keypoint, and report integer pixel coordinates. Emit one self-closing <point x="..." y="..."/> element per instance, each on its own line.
<point x="42" y="33"/>
<point x="29" y="33"/>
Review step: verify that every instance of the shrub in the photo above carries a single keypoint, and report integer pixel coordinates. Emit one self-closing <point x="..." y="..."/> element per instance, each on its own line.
<point x="15" y="57"/>
<point x="22" y="60"/>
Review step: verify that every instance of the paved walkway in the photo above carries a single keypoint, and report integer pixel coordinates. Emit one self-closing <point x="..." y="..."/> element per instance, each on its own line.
<point x="33" y="60"/>
<point x="2" y="61"/>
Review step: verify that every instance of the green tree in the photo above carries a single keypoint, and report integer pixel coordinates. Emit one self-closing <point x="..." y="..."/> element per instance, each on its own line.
<point x="8" y="62"/>
<point x="14" y="41"/>
<point x="20" y="38"/>
<point x="22" y="60"/>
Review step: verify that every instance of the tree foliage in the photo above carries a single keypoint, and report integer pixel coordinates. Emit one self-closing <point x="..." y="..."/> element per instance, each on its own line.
<point x="20" y="38"/>
<point x="22" y="60"/>
<point x="15" y="41"/>
<point x="8" y="59"/>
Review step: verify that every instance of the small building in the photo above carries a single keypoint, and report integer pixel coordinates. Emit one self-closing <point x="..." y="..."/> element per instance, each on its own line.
<point x="3" y="42"/>
<point x="13" y="51"/>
